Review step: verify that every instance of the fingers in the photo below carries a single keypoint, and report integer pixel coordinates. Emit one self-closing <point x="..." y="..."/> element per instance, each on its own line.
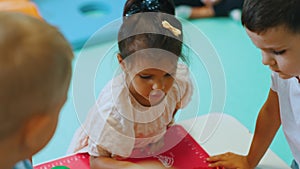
<point x="227" y="160"/>
<point x="220" y="157"/>
<point x="222" y="165"/>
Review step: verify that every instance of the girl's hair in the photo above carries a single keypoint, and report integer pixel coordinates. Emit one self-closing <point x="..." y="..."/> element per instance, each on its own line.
<point x="142" y="27"/>
<point x="260" y="15"/>
<point x="138" y="6"/>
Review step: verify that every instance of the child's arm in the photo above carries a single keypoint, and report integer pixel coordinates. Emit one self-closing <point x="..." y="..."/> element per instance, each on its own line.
<point x="267" y="124"/>
<point x="108" y="162"/>
<point x="105" y="160"/>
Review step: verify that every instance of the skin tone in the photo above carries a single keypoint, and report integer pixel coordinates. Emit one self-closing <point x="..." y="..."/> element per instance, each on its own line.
<point x="142" y="82"/>
<point x="202" y="12"/>
<point x="146" y="81"/>
<point x="34" y="134"/>
<point x="109" y="163"/>
<point x="36" y="69"/>
<point x="280" y="51"/>
<point x="147" y="76"/>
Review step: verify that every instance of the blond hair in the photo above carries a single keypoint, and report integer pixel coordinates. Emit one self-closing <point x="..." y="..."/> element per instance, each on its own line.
<point x="35" y="69"/>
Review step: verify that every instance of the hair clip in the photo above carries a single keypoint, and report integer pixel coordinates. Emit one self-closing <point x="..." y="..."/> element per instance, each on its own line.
<point x="168" y="26"/>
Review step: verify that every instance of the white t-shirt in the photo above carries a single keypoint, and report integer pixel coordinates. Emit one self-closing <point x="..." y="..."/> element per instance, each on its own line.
<point x="288" y="92"/>
<point x="119" y="124"/>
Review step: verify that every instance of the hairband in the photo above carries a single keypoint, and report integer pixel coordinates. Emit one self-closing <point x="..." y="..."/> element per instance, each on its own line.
<point x="171" y="28"/>
<point x="145" y="6"/>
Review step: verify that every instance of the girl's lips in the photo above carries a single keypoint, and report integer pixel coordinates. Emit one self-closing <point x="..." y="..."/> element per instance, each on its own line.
<point x="155" y="96"/>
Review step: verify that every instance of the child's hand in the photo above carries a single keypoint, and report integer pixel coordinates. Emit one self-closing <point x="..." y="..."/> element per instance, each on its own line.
<point x="229" y="161"/>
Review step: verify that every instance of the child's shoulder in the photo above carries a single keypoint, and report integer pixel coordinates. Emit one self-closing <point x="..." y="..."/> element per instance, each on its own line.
<point x="114" y="85"/>
<point x="114" y="92"/>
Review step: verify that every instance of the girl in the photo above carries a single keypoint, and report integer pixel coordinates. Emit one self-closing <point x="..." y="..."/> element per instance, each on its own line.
<point x="135" y="108"/>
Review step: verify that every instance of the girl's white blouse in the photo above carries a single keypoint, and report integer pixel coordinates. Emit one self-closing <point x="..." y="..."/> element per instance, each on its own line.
<point x="119" y="124"/>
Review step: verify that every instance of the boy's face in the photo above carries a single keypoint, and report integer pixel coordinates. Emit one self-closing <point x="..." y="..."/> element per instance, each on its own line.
<point x="280" y="50"/>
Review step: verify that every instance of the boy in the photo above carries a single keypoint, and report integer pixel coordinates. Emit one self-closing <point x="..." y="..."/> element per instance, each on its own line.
<point x="35" y="71"/>
<point x="274" y="27"/>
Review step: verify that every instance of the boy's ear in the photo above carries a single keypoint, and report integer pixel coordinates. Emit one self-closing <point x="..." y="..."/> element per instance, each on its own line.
<point x="37" y="132"/>
<point x="121" y="62"/>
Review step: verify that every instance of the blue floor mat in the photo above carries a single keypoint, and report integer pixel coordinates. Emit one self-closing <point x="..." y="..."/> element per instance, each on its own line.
<point x="78" y="20"/>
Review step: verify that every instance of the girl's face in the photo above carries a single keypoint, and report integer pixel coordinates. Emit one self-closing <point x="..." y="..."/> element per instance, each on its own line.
<point x="150" y="79"/>
<point x="280" y="50"/>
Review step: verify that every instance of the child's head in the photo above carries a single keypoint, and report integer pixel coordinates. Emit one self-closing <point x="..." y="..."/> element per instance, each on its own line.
<point x="35" y="71"/>
<point x="150" y="43"/>
<point x="274" y="27"/>
<point x="261" y="15"/>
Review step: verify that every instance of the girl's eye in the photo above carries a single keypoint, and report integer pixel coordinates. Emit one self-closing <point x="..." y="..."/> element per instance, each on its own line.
<point x="170" y="74"/>
<point x="145" y="76"/>
<point x="281" y="52"/>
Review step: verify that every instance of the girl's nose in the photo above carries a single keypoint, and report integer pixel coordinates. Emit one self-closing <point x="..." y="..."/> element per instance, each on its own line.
<point x="267" y="59"/>
<point x="158" y="84"/>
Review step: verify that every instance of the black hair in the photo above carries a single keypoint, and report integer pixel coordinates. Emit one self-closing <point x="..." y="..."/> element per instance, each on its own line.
<point x="260" y="15"/>
<point x="138" y="6"/>
<point x="142" y="27"/>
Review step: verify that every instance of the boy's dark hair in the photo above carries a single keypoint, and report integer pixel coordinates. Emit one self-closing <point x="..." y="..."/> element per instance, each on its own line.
<point x="142" y="27"/>
<point x="260" y="15"/>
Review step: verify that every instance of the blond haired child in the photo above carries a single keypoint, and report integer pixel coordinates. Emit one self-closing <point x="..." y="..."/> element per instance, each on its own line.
<point x="35" y="71"/>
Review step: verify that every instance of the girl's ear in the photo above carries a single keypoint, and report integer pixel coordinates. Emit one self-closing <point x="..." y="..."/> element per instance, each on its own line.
<point x="121" y="62"/>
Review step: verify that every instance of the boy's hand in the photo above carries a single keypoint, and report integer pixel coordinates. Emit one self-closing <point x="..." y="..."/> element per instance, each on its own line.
<point x="229" y="161"/>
